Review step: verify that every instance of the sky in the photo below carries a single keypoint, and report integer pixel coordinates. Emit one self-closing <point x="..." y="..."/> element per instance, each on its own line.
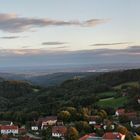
<point x="50" y="32"/>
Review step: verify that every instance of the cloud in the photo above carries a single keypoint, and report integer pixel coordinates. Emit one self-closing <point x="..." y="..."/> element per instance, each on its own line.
<point x="110" y="44"/>
<point x="53" y="43"/>
<point x="94" y="22"/>
<point x="14" y="23"/>
<point x="10" y="37"/>
<point x="131" y="50"/>
<point x="45" y="57"/>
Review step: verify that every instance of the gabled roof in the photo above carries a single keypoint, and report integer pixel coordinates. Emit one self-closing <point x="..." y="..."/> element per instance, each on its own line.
<point x="8" y="127"/>
<point x="131" y="115"/>
<point x="87" y="136"/>
<point x="59" y="129"/>
<point x="112" y="136"/>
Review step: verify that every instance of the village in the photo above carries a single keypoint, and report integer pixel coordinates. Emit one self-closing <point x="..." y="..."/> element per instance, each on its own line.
<point x="122" y="124"/>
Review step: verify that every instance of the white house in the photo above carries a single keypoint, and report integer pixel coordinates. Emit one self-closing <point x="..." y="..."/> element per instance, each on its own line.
<point x="48" y="121"/>
<point x="59" y="131"/>
<point x="34" y="128"/>
<point x="92" y="119"/>
<point x="9" y="129"/>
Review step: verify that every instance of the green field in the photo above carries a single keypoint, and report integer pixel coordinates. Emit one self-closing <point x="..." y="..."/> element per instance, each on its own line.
<point x="107" y="94"/>
<point x="112" y="102"/>
<point x="136" y="84"/>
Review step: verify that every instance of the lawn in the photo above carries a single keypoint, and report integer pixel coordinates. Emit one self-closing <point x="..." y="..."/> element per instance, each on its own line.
<point x="107" y="94"/>
<point x="112" y="102"/>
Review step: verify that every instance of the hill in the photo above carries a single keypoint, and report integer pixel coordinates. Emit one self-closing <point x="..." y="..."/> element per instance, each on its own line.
<point x="78" y="92"/>
<point x="46" y="80"/>
<point x="57" y="78"/>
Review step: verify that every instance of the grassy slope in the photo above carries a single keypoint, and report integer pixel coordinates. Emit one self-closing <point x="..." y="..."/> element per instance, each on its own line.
<point x="136" y="84"/>
<point x="107" y="94"/>
<point x="113" y="102"/>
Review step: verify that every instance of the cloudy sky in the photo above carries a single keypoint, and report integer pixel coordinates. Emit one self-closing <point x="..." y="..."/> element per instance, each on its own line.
<point x="45" y="32"/>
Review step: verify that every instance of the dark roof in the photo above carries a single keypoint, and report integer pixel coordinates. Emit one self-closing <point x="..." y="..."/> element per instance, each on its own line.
<point x="48" y="118"/>
<point x="136" y="120"/>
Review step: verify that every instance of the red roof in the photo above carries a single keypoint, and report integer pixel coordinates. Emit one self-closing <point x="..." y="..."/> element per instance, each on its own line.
<point x="22" y="130"/>
<point x="97" y="126"/>
<point x="8" y="127"/>
<point x="59" y="129"/>
<point x="112" y="135"/>
<point x="131" y="114"/>
<point x="87" y="136"/>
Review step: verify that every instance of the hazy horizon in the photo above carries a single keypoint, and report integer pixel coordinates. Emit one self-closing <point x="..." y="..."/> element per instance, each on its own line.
<point x="69" y="33"/>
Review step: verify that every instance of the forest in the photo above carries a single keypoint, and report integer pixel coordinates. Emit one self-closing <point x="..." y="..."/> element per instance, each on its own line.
<point x="23" y="101"/>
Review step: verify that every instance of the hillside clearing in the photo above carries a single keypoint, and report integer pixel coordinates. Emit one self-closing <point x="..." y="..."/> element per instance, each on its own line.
<point x="112" y="102"/>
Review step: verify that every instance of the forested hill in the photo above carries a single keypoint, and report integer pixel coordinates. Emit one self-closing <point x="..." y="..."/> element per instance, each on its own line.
<point x="78" y="92"/>
<point x="57" y="78"/>
<point x="12" y="89"/>
<point x="117" y="77"/>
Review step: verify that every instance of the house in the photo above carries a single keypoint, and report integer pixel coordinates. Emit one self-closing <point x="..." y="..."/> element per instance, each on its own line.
<point x="120" y="112"/>
<point x="91" y="136"/>
<point x="87" y="136"/>
<point x="59" y="123"/>
<point x="59" y="131"/>
<point x="108" y="124"/>
<point x="34" y="128"/>
<point x="93" y="119"/>
<point x="135" y="122"/>
<point x="97" y="127"/>
<point x="9" y="129"/>
<point x="131" y="115"/>
<point x="113" y="136"/>
<point x="112" y="127"/>
<point x="47" y="121"/>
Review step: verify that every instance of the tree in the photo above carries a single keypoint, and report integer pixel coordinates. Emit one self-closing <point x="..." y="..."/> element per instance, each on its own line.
<point x="83" y="126"/>
<point x="102" y="113"/>
<point x="138" y="130"/>
<point x="123" y="130"/>
<point x="137" y="138"/>
<point x="123" y="119"/>
<point x="64" y="116"/>
<point x="72" y="134"/>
